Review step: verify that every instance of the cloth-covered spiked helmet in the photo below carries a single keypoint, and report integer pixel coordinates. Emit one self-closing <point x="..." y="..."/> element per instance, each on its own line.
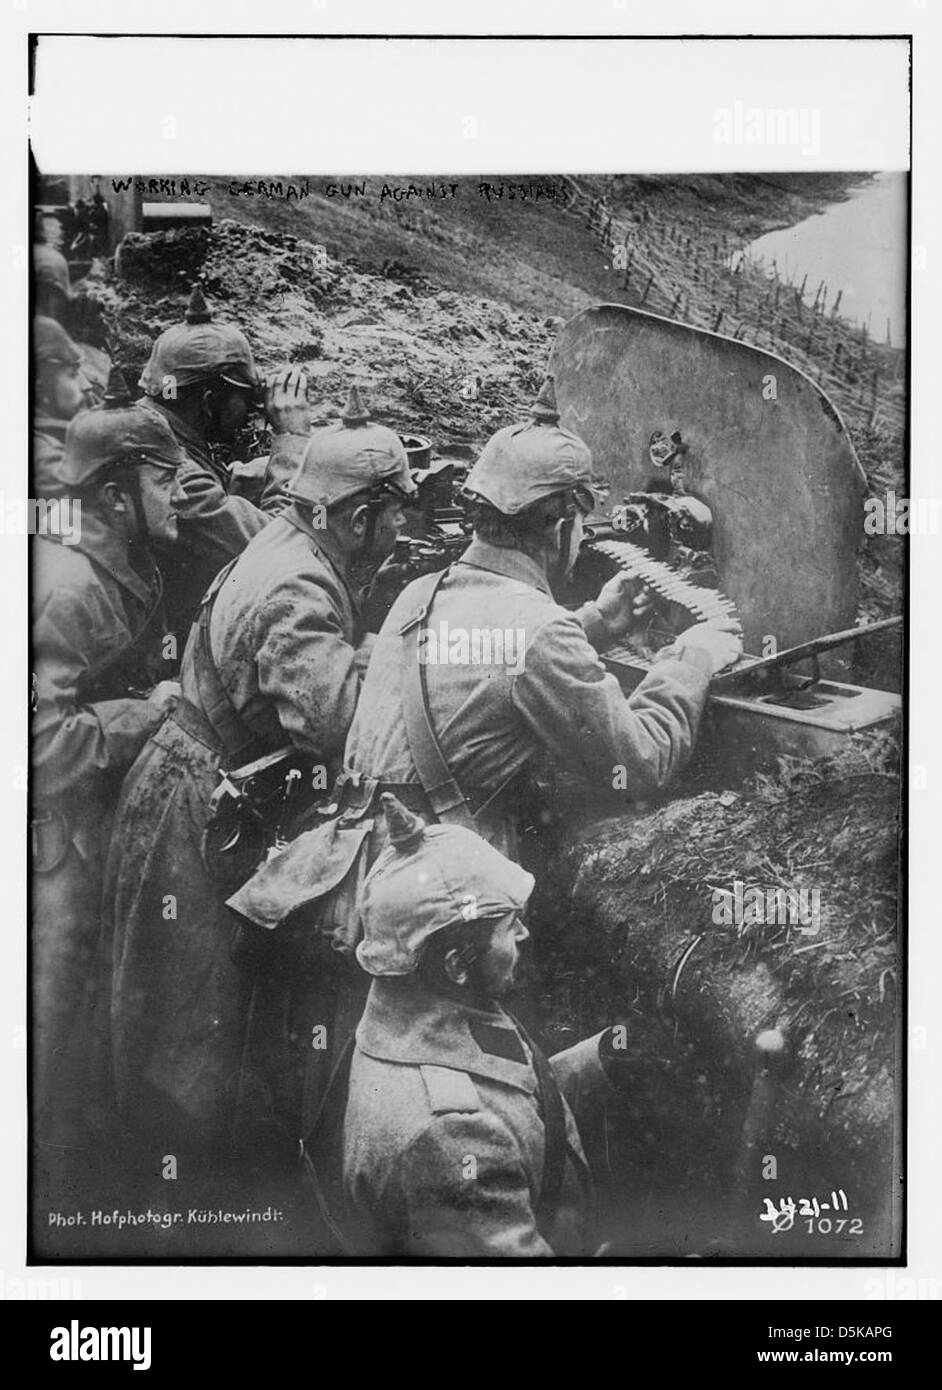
<point x="115" y="433"/>
<point x="521" y="464"/>
<point x="51" y="343"/>
<point x="351" y="456"/>
<point x="199" y="350"/>
<point x="427" y="879"/>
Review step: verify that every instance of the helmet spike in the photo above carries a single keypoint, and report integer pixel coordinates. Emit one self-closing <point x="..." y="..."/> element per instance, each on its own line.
<point x="197" y="311"/>
<point x="544" y="408"/>
<point x="405" y="828"/>
<point x="117" y="395"/>
<point x="355" y="411"/>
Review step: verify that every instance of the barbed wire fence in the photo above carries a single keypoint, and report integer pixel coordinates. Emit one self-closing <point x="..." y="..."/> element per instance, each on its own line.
<point x="688" y="272"/>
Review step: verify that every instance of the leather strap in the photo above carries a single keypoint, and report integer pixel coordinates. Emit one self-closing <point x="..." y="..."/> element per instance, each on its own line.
<point x="445" y="797"/>
<point x="224" y="719"/>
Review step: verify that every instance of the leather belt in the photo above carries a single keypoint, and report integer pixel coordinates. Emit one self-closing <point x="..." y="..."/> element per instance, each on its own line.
<point x="354" y="792"/>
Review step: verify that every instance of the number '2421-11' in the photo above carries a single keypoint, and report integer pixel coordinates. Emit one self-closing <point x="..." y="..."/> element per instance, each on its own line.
<point x="782" y="1218"/>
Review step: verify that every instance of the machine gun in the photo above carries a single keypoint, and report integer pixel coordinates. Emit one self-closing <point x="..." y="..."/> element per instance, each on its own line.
<point x="437" y="533"/>
<point x="446" y="538"/>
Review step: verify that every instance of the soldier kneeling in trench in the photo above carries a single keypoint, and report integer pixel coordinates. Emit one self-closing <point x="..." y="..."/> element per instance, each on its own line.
<point x="454" y="1135"/>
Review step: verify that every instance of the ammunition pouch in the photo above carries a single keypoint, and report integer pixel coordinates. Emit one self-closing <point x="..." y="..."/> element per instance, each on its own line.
<point x="303" y="875"/>
<point x="324" y="866"/>
<point x="249" y="814"/>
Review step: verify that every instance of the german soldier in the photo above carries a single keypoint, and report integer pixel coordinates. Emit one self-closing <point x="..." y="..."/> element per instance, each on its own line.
<point x="457" y="1139"/>
<point x="79" y="315"/>
<point x="275" y="658"/>
<point x="201" y="377"/>
<point x="529" y="491"/>
<point x="61" y="390"/>
<point x="98" y="632"/>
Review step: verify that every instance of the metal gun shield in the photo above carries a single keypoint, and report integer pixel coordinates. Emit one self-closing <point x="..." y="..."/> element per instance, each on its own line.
<point x="764" y="448"/>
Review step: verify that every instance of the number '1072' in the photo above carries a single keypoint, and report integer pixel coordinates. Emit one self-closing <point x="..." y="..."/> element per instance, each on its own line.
<point x="824" y="1226"/>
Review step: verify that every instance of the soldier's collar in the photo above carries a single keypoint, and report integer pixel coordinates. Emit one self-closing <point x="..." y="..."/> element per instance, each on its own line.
<point x="324" y="545"/>
<point x="109" y="551"/>
<point x="406" y="1023"/>
<point x="513" y="564"/>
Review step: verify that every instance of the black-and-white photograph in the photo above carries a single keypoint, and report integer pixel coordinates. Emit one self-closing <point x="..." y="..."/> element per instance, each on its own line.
<point x="468" y="651"/>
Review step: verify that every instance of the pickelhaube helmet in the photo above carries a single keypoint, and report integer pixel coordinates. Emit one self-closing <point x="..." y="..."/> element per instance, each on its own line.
<point x="51" y="343"/>
<point x="51" y="268"/>
<point x="429" y="878"/>
<point x="523" y="463"/>
<point x="198" y="350"/>
<point x="351" y="456"/>
<point x="115" y="433"/>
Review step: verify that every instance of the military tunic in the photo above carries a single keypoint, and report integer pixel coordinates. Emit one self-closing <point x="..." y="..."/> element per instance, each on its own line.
<point x="282" y="634"/>
<point x="264" y="480"/>
<point x="89" y="606"/>
<point x="444" y="1142"/>
<point x="554" y="700"/>
<point x="213" y="526"/>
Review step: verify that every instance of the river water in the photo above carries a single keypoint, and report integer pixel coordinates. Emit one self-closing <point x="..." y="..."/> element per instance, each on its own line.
<point x="857" y="246"/>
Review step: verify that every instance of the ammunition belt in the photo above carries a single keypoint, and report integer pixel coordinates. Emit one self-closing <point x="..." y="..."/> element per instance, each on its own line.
<point x="704" y="605"/>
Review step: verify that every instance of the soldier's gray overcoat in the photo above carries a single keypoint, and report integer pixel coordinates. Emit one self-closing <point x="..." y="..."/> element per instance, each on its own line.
<point x="89" y="607"/>
<point x="282" y="634"/>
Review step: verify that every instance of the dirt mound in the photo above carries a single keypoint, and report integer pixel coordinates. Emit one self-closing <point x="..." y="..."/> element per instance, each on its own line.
<point x="655" y="948"/>
<point x="437" y="363"/>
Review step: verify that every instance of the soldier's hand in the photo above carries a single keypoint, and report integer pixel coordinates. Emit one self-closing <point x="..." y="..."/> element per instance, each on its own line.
<point x="622" y="604"/>
<point x="711" y="646"/>
<point x="642" y="604"/>
<point x="164" y="696"/>
<point x="286" y="407"/>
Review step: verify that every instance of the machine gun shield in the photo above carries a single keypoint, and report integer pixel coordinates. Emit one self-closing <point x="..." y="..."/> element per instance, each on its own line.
<point x="763" y="447"/>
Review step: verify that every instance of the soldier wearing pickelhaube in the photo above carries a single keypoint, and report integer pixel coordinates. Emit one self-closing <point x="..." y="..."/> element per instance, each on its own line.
<point x="457" y="741"/>
<point x="98" y="633"/>
<point x="201" y="377"/>
<point x="60" y="390"/>
<point x="79" y="314"/>
<point x="454" y="1135"/>
<point x="275" y="658"/>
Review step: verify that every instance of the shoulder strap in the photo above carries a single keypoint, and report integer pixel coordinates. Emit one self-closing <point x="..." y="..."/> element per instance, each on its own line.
<point x="556" y="1143"/>
<point x="445" y="797"/>
<point x="226" y="721"/>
